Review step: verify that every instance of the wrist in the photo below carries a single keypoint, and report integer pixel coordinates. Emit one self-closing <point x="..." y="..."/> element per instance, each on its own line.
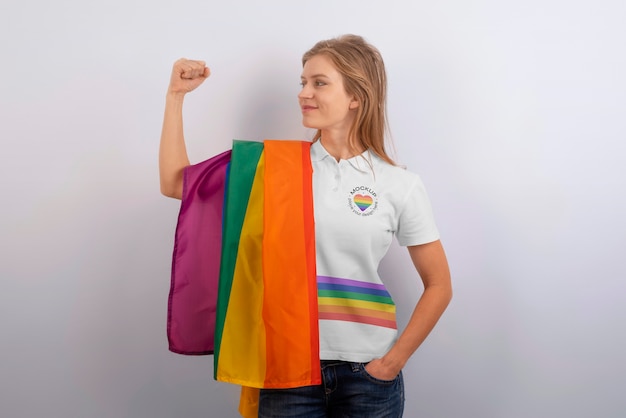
<point x="175" y="96"/>
<point x="393" y="362"/>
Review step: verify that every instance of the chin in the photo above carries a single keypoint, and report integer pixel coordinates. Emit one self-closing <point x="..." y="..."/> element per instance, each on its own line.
<point x="308" y="124"/>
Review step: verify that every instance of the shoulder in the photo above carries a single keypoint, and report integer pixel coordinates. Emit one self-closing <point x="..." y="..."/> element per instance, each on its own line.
<point x="397" y="174"/>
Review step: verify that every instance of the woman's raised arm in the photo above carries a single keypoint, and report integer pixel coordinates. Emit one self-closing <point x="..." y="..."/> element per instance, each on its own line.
<point x="186" y="76"/>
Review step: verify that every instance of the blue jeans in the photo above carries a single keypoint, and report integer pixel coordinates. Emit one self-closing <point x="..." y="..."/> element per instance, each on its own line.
<point x="347" y="391"/>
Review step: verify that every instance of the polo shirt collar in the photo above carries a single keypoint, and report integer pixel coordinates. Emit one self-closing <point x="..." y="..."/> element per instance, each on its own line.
<point x="318" y="153"/>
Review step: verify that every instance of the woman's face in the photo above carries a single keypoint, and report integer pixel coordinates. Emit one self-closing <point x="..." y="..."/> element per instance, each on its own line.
<point x="323" y="100"/>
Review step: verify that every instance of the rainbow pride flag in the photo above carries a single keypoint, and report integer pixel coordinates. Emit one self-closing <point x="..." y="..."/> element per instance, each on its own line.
<point x="243" y="274"/>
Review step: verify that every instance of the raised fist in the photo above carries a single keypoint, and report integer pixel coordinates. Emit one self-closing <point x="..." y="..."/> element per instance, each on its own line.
<point x="187" y="75"/>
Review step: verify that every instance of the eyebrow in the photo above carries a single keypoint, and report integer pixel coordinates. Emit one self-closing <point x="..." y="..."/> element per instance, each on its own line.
<point x="316" y="75"/>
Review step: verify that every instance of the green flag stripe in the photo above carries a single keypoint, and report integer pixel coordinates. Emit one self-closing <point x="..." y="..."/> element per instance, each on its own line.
<point x="243" y="165"/>
<point x="354" y="295"/>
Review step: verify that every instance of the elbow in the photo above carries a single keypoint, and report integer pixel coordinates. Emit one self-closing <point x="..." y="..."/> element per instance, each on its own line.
<point x="449" y="294"/>
<point x="444" y="291"/>
<point x="171" y="183"/>
<point x="168" y="190"/>
<point x="448" y="289"/>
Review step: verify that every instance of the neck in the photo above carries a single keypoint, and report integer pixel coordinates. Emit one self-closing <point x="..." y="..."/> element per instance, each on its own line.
<point x="339" y="146"/>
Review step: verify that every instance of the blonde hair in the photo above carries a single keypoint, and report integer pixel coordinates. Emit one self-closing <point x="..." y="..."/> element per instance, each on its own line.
<point x="364" y="77"/>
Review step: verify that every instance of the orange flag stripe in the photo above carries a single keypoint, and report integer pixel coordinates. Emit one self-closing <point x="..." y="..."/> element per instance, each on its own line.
<point x="289" y="268"/>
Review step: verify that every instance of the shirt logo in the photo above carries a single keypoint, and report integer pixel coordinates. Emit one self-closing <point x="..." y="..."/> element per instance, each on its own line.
<point x="363" y="201"/>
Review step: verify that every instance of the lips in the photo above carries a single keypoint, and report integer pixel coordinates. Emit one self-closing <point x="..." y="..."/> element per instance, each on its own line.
<point x="307" y="108"/>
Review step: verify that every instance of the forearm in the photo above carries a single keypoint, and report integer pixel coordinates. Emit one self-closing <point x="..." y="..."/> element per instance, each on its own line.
<point x="427" y="312"/>
<point x="172" y="151"/>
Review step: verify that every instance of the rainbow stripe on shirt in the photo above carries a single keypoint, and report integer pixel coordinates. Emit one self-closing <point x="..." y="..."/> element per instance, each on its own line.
<point x="355" y="301"/>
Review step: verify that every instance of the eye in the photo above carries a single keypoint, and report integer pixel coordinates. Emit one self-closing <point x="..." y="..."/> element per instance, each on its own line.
<point x="319" y="83"/>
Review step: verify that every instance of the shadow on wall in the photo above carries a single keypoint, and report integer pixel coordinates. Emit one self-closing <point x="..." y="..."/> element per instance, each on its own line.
<point x="269" y="101"/>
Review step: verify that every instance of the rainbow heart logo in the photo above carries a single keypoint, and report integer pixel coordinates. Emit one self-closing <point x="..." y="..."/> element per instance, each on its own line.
<point x="363" y="201"/>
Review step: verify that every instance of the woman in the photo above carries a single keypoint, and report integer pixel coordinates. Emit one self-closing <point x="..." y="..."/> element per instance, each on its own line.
<point x="361" y="200"/>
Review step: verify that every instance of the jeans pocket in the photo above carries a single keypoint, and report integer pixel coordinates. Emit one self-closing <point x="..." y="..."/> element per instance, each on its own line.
<point x="373" y="379"/>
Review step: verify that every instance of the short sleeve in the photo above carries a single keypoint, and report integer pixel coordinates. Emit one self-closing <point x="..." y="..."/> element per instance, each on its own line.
<point x="416" y="223"/>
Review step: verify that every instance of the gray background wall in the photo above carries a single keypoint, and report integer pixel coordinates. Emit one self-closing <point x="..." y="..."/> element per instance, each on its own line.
<point x="512" y="112"/>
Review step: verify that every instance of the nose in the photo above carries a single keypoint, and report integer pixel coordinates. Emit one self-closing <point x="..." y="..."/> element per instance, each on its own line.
<point x="306" y="92"/>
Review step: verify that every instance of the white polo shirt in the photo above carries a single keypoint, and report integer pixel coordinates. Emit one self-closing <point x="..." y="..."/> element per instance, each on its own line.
<point x="359" y="205"/>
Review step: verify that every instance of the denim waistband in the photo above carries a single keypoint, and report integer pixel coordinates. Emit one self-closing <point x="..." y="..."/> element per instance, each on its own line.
<point x="334" y="362"/>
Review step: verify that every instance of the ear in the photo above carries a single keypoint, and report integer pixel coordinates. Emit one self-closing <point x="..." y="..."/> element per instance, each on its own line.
<point x="354" y="103"/>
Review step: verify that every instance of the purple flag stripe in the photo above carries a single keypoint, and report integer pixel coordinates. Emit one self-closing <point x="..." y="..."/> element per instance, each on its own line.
<point x="348" y="282"/>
